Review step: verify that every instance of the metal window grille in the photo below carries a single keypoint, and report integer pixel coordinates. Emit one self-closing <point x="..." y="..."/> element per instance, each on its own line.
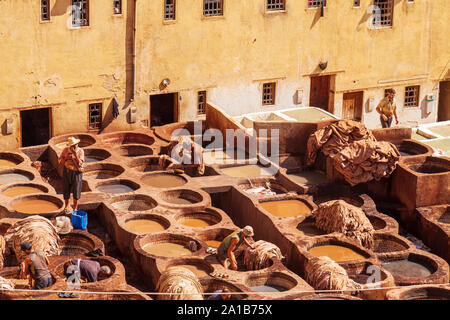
<point x="117" y="6"/>
<point x="45" y="10"/>
<point x="201" y="107"/>
<point x="383" y="12"/>
<point x="169" y="9"/>
<point x="411" y="96"/>
<point x="212" y="7"/>
<point x="80" y="13"/>
<point x="356" y="3"/>
<point x="95" y="115"/>
<point x="316" y="3"/>
<point x="268" y="96"/>
<point x="276" y="4"/>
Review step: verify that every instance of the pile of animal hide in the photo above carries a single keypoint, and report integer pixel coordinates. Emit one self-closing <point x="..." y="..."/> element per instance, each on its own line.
<point x="2" y="251"/>
<point x="39" y="231"/>
<point x="180" y="284"/>
<point x="6" y="284"/>
<point x="356" y="153"/>
<point x="261" y="255"/>
<point x="340" y="216"/>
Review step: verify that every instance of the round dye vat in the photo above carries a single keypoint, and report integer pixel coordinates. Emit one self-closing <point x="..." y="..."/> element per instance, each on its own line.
<point x="21" y="190"/>
<point x="213" y="243"/>
<point x="248" y="171"/>
<point x="35" y="206"/>
<point x="4" y="163"/>
<point x="164" y="180"/>
<point x="336" y="253"/>
<point x="197" y="270"/>
<point x="144" y="226"/>
<point x="309" y="229"/>
<point x="13" y="177"/>
<point x="268" y="288"/>
<point x="196" y="222"/>
<point x="406" y="268"/>
<point x="115" y="188"/>
<point x="286" y="208"/>
<point x="180" y="201"/>
<point x="308" y="177"/>
<point x="166" y="249"/>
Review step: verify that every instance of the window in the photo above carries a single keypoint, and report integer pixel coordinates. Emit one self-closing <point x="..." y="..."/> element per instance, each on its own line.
<point x="45" y="10"/>
<point x="201" y="107"/>
<point x="212" y="8"/>
<point x="317" y="3"/>
<point x="117" y="6"/>
<point x="95" y="115"/>
<point x="80" y="13"/>
<point x="356" y="3"/>
<point x="382" y="13"/>
<point x="276" y="5"/>
<point x="268" y="96"/>
<point x="412" y="96"/>
<point x="169" y="9"/>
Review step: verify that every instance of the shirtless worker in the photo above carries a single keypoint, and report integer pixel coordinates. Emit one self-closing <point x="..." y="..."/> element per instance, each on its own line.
<point x="231" y="243"/>
<point x="387" y="108"/>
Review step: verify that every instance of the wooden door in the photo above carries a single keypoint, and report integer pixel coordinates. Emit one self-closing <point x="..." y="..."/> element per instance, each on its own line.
<point x="319" y="92"/>
<point x="352" y="105"/>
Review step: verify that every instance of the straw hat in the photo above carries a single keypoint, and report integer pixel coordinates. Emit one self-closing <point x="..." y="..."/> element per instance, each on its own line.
<point x="72" y="141"/>
<point x="248" y="231"/>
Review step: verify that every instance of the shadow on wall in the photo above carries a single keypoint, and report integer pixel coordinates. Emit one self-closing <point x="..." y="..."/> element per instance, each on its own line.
<point x="60" y="7"/>
<point x="109" y="115"/>
<point x="423" y="108"/>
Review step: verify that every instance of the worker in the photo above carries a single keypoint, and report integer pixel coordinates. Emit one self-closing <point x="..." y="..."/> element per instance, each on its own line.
<point x="231" y="243"/>
<point x="72" y="160"/>
<point x="387" y="108"/>
<point x="89" y="270"/>
<point x="183" y="152"/>
<point x="35" y="267"/>
<point x="221" y="294"/>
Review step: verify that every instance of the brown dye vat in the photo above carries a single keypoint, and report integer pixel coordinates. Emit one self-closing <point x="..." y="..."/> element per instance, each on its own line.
<point x="286" y="208"/>
<point x="163" y="180"/>
<point x="308" y="177"/>
<point x="385" y="243"/>
<point x="166" y="249"/>
<point x="407" y="268"/>
<point x="428" y="168"/>
<point x="21" y="190"/>
<point x="336" y="253"/>
<point x="196" y="222"/>
<point x="377" y="223"/>
<point x="4" y="163"/>
<point x="35" y="206"/>
<point x="308" y="228"/>
<point x="247" y="171"/>
<point x="145" y="226"/>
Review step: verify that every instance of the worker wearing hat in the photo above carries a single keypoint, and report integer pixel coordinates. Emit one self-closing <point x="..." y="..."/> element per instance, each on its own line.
<point x="35" y="267"/>
<point x="231" y="243"/>
<point x="72" y="159"/>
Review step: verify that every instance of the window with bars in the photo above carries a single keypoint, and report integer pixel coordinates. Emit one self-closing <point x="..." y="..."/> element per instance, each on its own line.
<point x="268" y="96"/>
<point x="169" y="9"/>
<point x="201" y="106"/>
<point x="80" y="13"/>
<point x="95" y="115"/>
<point x="316" y="3"/>
<point x="117" y="6"/>
<point x="275" y="5"/>
<point x="356" y="3"/>
<point x="45" y="10"/>
<point x="412" y="96"/>
<point x="383" y="13"/>
<point x="212" y="8"/>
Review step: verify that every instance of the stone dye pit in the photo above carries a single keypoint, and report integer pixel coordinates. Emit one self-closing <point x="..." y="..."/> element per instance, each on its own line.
<point x="152" y="219"/>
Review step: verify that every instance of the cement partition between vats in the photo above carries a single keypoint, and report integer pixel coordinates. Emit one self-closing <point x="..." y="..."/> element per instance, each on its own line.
<point x="416" y="267"/>
<point x="372" y="278"/>
<point x="434" y="229"/>
<point x="79" y="242"/>
<point x="45" y="205"/>
<point x="422" y="182"/>
<point x="165" y="132"/>
<point x="431" y="292"/>
<point x="329" y="296"/>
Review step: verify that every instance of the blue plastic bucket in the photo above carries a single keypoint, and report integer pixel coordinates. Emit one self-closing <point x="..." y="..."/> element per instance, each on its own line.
<point x="79" y="220"/>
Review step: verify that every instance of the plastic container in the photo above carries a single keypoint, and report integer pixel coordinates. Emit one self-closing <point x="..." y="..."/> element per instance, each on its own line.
<point x="79" y="220"/>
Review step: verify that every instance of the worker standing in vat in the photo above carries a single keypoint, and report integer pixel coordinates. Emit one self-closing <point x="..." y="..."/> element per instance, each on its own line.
<point x="89" y="270"/>
<point x="72" y="159"/>
<point x="35" y="267"/>
<point x="231" y="243"/>
<point x="387" y="108"/>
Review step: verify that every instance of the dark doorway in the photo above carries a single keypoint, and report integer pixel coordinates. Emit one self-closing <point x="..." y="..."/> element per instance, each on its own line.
<point x="444" y="101"/>
<point x="320" y="92"/>
<point x="163" y="109"/>
<point x="35" y="126"/>
<point x="352" y="105"/>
